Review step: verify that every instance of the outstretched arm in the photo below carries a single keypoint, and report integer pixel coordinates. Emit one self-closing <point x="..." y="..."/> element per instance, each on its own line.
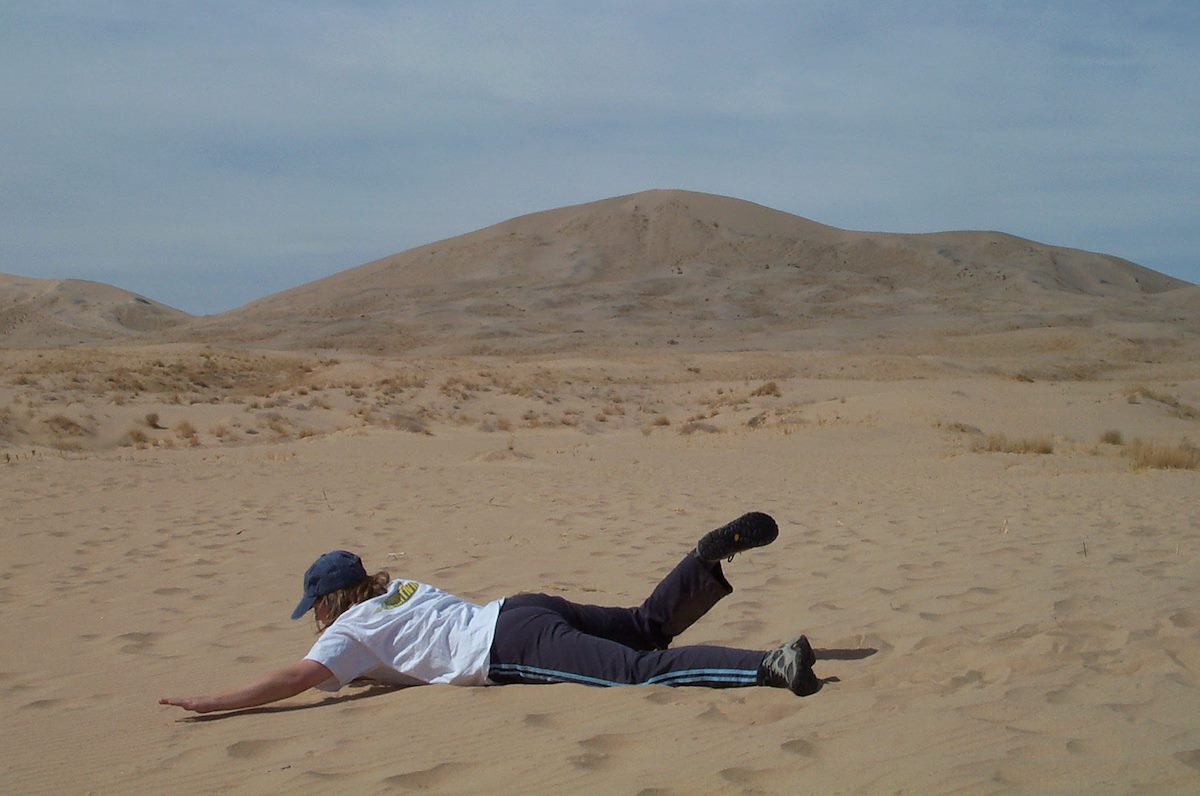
<point x="279" y="684"/>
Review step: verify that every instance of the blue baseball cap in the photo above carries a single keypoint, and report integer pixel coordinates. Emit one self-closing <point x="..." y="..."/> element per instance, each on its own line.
<point x="332" y="571"/>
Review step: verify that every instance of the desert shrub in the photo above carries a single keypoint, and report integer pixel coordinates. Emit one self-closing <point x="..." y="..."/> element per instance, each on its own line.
<point x="770" y="388"/>
<point x="959" y="428"/>
<point x="1112" y="437"/>
<point x="661" y="420"/>
<point x="61" y="424"/>
<point x="136" y="437"/>
<point x="694" y="426"/>
<point x="187" y="433"/>
<point x="152" y="420"/>
<point x="408" y="423"/>
<point x="999" y="443"/>
<point x="1177" y="407"/>
<point x="1183" y="456"/>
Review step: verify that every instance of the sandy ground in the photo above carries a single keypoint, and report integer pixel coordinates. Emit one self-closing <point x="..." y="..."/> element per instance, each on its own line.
<point x="987" y="621"/>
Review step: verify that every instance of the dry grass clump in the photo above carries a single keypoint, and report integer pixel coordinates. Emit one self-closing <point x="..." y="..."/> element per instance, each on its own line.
<point x="770" y="388"/>
<point x="66" y="426"/>
<point x="409" y="423"/>
<point x="395" y="384"/>
<point x="136" y="437"/>
<point x="490" y="424"/>
<point x="999" y="443"/>
<point x="661" y="420"/>
<point x="8" y="424"/>
<point x="958" y="428"/>
<point x="277" y="424"/>
<point x="187" y="433"/>
<point x="1145" y="455"/>
<point x="1112" y="437"/>
<point x="693" y="426"/>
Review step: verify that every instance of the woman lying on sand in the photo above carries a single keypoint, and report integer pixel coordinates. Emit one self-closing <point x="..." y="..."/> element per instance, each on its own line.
<point x="407" y="633"/>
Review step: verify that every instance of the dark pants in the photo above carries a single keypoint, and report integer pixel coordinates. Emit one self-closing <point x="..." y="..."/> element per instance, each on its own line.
<point x="544" y="639"/>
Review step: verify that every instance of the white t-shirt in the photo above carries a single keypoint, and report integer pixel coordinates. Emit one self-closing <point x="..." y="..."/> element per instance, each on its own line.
<point x="412" y="634"/>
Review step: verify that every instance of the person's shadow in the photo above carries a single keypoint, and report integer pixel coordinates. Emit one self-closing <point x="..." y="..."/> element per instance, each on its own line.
<point x="852" y="654"/>
<point x="367" y="690"/>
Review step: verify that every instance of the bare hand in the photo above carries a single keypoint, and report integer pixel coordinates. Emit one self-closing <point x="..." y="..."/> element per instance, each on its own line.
<point x="197" y="704"/>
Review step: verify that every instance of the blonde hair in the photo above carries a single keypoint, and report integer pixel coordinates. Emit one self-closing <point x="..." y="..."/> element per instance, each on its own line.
<point x="340" y="601"/>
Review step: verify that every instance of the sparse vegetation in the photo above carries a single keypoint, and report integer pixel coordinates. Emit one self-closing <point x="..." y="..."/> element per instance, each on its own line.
<point x="1112" y="437"/>
<point x="768" y="389"/>
<point x="187" y="433"/>
<point x="1145" y="455"/>
<point x="1177" y="407"/>
<point x="65" y="426"/>
<point x="136" y="437"/>
<point x="408" y="423"/>
<point x="999" y="443"/>
<point x="694" y="426"/>
<point x="959" y="428"/>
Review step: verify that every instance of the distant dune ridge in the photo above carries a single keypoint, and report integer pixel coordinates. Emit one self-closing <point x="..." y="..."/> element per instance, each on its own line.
<point x="54" y="312"/>
<point x="653" y="268"/>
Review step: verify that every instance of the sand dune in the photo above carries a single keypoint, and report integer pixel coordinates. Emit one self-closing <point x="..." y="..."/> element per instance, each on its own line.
<point x="650" y="269"/>
<point x="53" y="312"/>
<point x="982" y="453"/>
<point x="696" y="269"/>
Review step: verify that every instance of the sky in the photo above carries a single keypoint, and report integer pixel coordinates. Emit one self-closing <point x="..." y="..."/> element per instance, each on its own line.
<point x="207" y="154"/>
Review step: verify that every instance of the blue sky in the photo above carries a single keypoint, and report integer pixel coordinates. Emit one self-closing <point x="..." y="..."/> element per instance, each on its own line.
<point x="208" y="153"/>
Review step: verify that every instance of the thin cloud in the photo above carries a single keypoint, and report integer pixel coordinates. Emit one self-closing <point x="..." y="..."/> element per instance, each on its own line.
<point x="207" y="155"/>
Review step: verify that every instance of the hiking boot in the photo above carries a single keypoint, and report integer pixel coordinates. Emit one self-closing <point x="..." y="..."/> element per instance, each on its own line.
<point x="790" y="667"/>
<point x="749" y="530"/>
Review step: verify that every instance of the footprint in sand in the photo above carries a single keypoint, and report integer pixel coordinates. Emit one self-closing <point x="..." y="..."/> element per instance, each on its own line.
<point x="607" y="743"/>
<point x="661" y="698"/>
<point x="137" y="643"/>
<point x="436" y="777"/>
<point x="1077" y="746"/>
<point x="1187" y="619"/>
<point x="742" y="777"/>
<point x="799" y="746"/>
<point x="248" y="750"/>
<point x="589" y="760"/>
<point x="1190" y="758"/>
<point x="713" y="713"/>
<point x="41" y="704"/>
<point x="539" y="719"/>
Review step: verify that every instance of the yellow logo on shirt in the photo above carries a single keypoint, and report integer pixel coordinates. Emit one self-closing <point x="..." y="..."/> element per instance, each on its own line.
<point x="402" y="595"/>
